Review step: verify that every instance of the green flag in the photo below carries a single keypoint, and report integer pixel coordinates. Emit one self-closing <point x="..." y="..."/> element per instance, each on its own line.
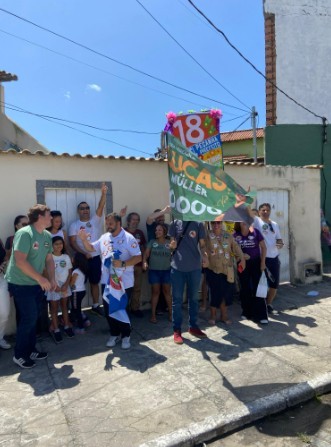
<point x="198" y="190"/>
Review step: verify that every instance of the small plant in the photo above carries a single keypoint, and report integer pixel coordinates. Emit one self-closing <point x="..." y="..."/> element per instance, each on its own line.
<point x="304" y="438"/>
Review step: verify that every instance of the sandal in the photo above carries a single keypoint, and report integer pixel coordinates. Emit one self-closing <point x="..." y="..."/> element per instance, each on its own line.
<point x="153" y="320"/>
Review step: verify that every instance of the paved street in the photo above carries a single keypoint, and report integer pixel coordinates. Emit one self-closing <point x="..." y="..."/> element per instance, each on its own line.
<point x="162" y="394"/>
<point x="308" y="424"/>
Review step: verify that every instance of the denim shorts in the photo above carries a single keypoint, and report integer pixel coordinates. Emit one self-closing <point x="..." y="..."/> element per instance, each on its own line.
<point x="159" y="276"/>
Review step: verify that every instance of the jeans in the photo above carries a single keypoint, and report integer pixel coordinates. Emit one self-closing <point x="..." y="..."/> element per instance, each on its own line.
<point x="28" y="302"/>
<point x="178" y="280"/>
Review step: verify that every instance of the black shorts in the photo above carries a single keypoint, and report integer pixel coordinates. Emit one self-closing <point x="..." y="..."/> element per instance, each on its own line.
<point x="273" y="265"/>
<point x="94" y="270"/>
<point x="220" y="289"/>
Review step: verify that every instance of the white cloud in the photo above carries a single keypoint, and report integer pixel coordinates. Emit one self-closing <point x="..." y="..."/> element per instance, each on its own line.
<point x="94" y="87"/>
<point x="67" y="95"/>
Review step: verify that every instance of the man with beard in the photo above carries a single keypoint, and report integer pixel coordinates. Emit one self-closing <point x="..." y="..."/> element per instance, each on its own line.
<point x="123" y="250"/>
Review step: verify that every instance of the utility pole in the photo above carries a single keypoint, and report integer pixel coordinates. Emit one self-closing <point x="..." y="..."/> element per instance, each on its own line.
<point x="253" y="117"/>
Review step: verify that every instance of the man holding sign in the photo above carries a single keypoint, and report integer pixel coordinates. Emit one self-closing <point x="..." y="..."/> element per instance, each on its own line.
<point x="188" y="245"/>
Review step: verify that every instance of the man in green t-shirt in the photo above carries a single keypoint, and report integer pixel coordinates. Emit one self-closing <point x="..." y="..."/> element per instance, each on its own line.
<point x="31" y="254"/>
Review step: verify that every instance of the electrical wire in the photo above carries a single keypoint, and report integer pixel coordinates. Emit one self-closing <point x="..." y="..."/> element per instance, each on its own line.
<point x="81" y="131"/>
<point x="79" y="123"/>
<point x="103" y="70"/>
<point x="251" y="64"/>
<point x="191" y="56"/>
<point x="85" y="47"/>
<point x="241" y="124"/>
<point x="55" y="120"/>
<point x="42" y="115"/>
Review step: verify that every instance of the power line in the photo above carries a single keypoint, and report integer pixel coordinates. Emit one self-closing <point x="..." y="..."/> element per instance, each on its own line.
<point x="233" y="119"/>
<point x="241" y="124"/>
<point x="251" y="64"/>
<point x="79" y="123"/>
<point x="19" y="109"/>
<point x="116" y="61"/>
<point x="50" y="118"/>
<point x="102" y="70"/>
<point x="79" y="130"/>
<point x="191" y="56"/>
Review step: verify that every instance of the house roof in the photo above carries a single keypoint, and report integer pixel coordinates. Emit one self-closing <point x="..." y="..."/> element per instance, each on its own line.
<point x="243" y="162"/>
<point x="241" y="135"/>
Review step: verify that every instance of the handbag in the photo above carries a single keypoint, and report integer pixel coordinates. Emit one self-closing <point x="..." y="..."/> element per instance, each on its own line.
<point x="262" y="288"/>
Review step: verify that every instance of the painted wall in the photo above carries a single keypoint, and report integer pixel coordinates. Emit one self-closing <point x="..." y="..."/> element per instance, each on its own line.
<point x="303" y="64"/>
<point x="143" y="186"/>
<point x="243" y="147"/>
<point x="13" y="136"/>
<point x="303" y="186"/>
<point x="300" y="145"/>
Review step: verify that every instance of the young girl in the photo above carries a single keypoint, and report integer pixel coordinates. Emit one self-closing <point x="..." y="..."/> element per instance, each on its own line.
<point x="57" y="228"/>
<point x="63" y="268"/>
<point x="78" y="288"/>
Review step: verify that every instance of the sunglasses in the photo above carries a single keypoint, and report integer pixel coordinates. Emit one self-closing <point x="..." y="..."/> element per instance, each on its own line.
<point x="84" y="208"/>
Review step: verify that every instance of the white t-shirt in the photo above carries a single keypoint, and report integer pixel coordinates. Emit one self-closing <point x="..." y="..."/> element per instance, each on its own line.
<point x="58" y="233"/>
<point x="79" y="285"/>
<point x="270" y="232"/>
<point x="93" y="227"/>
<point x="62" y="267"/>
<point x="127" y="245"/>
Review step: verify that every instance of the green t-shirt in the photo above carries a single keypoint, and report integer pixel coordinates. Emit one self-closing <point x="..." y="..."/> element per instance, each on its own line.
<point x="159" y="258"/>
<point x="37" y="246"/>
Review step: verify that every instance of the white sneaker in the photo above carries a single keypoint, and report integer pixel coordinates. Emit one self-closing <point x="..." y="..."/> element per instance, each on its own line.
<point x="126" y="343"/>
<point x="113" y="339"/>
<point x="264" y="321"/>
<point x="4" y="344"/>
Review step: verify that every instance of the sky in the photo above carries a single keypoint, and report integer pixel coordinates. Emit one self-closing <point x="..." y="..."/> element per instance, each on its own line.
<point x="59" y="79"/>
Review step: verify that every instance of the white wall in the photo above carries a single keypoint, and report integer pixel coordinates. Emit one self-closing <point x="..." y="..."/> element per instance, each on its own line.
<point x="303" y="186"/>
<point x="303" y="62"/>
<point x="11" y="134"/>
<point x="143" y="186"/>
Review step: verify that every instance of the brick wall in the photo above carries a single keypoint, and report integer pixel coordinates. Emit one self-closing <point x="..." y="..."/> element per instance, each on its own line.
<point x="270" y="68"/>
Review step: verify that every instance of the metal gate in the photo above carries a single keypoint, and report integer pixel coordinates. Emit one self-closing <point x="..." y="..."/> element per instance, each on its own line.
<point x="66" y="201"/>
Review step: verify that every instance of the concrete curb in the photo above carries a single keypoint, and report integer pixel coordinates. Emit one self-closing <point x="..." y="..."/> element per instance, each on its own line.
<point x="217" y="425"/>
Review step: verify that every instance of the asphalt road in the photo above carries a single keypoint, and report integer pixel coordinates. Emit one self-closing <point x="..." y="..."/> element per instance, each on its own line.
<point x="306" y="425"/>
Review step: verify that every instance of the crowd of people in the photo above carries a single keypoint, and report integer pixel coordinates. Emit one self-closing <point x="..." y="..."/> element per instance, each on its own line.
<point x="43" y="261"/>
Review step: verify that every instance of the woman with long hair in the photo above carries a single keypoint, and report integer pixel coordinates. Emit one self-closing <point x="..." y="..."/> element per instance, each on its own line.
<point x="157" y="260"/>
<point x="252" y="244"/>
